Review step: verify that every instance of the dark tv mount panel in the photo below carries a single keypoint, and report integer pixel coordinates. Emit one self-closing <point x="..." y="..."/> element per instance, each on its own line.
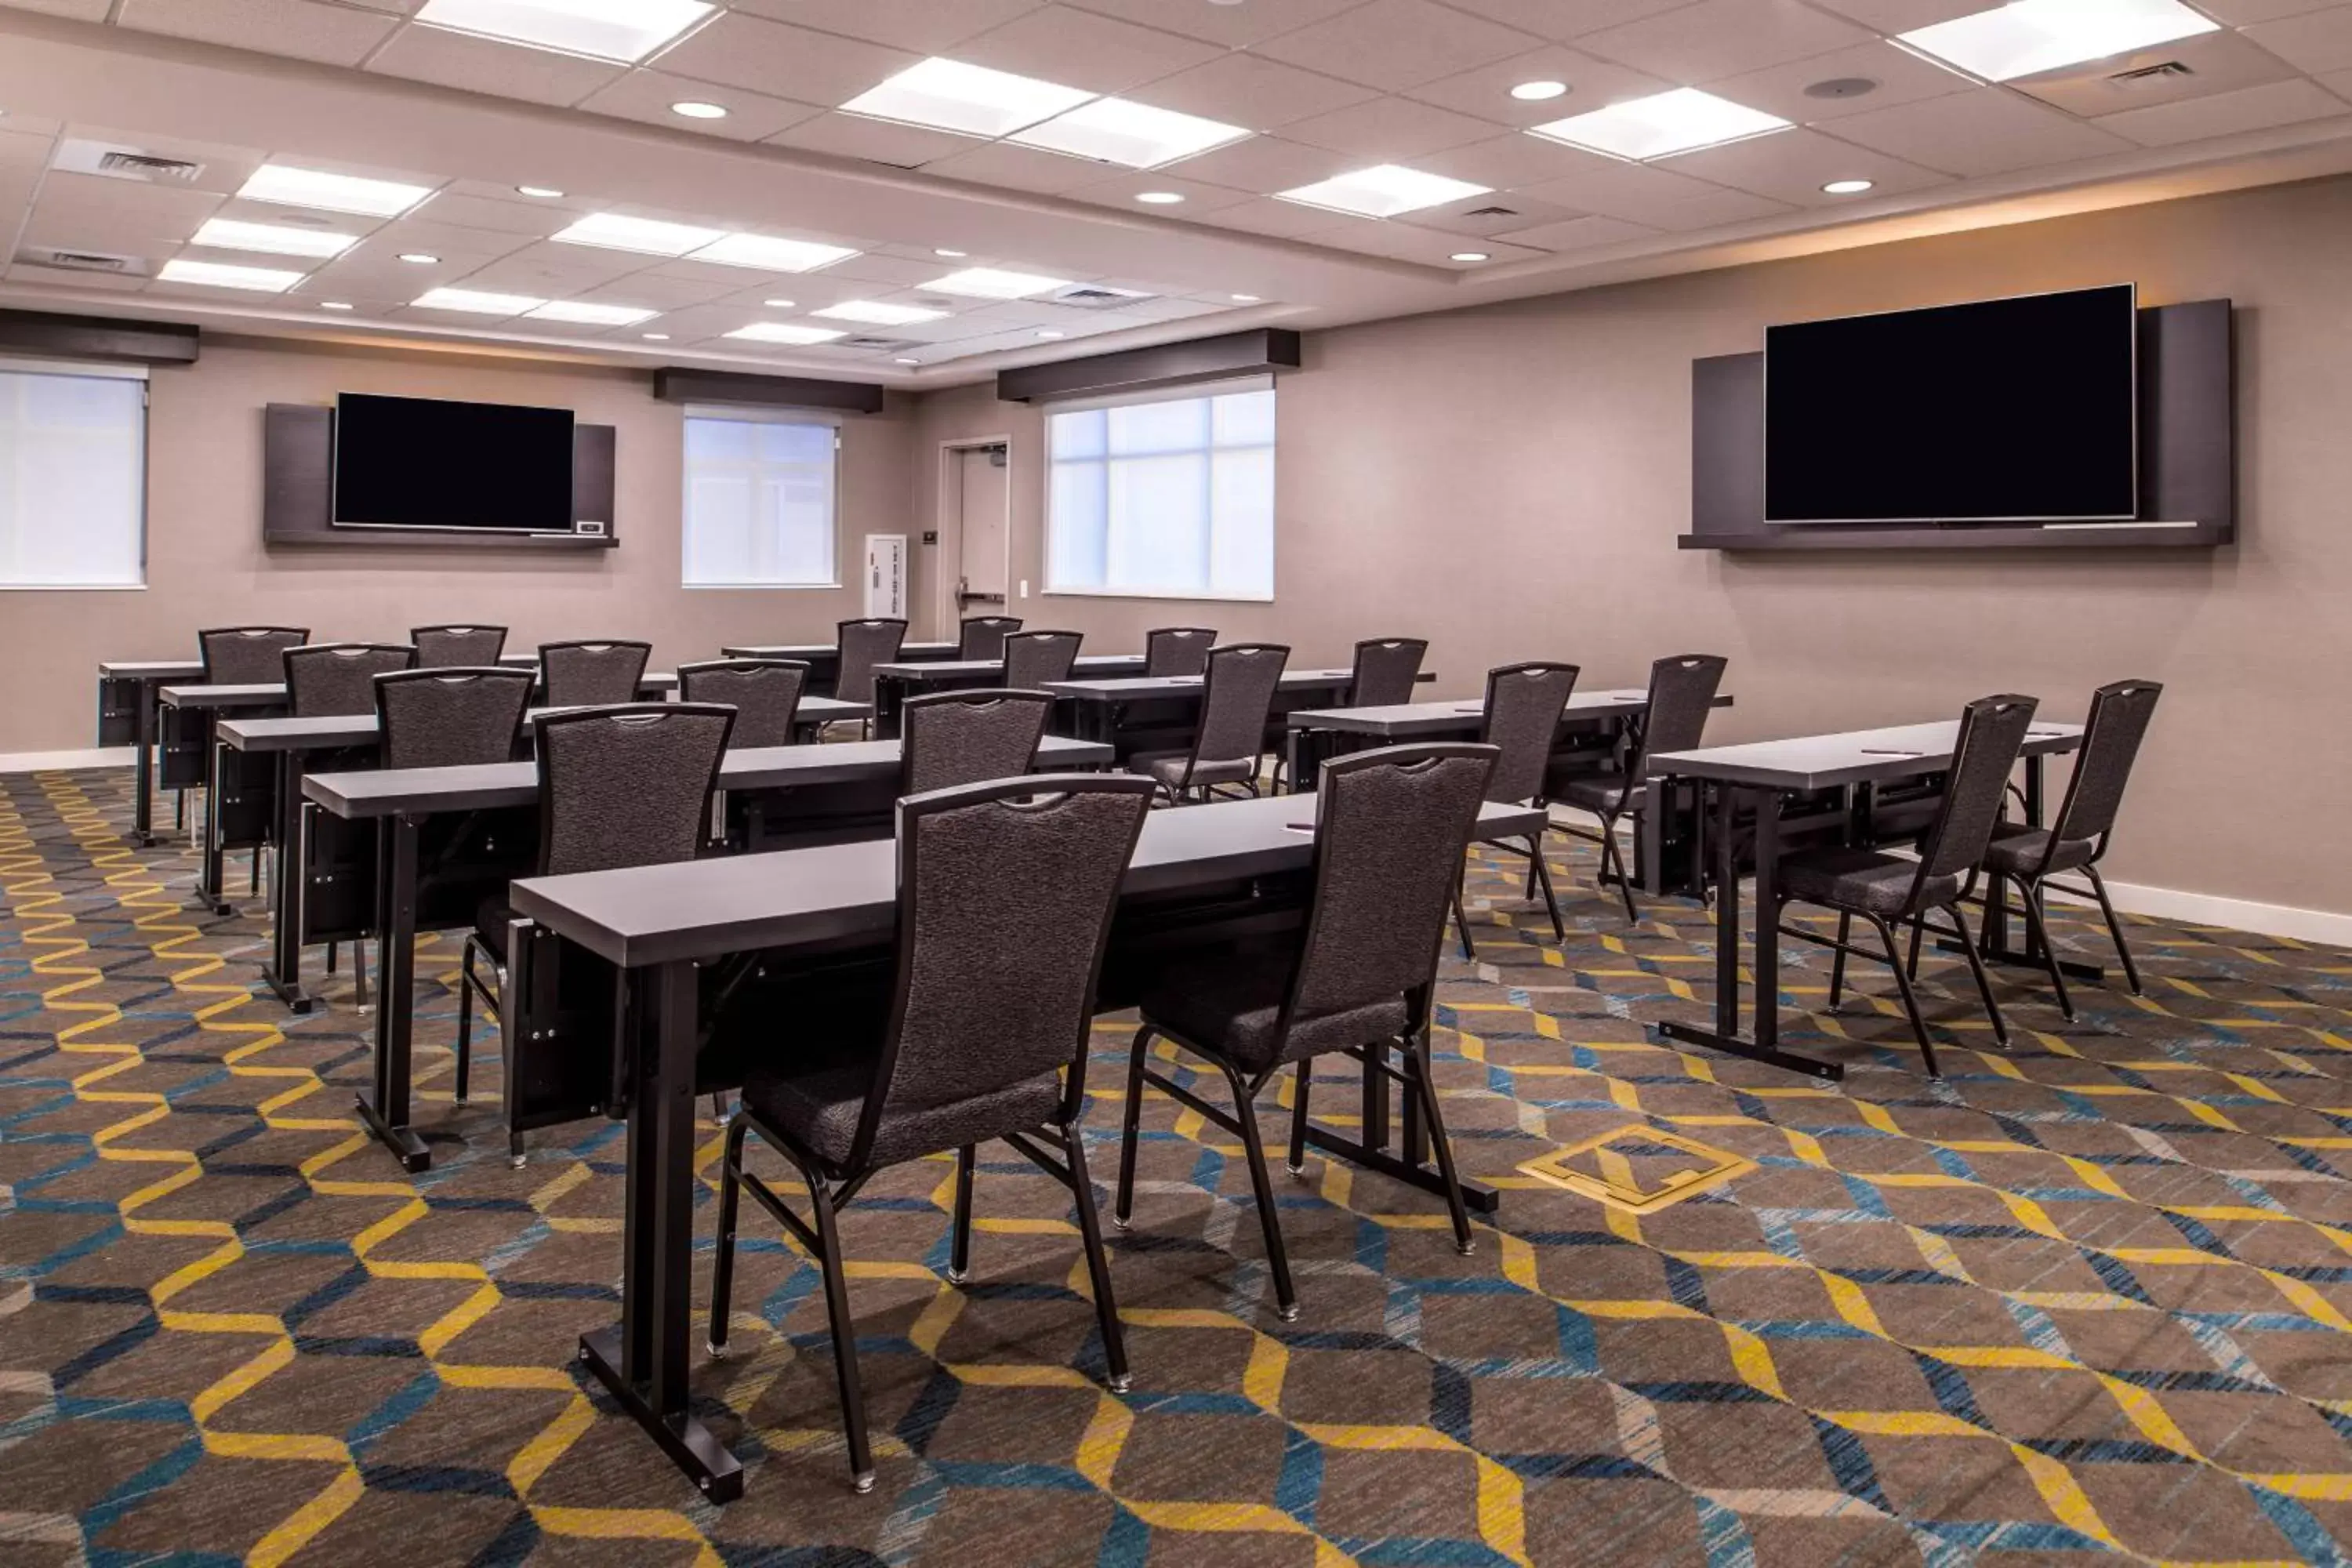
<point x="298" y="507"/>
<point x="2188" y="457"/>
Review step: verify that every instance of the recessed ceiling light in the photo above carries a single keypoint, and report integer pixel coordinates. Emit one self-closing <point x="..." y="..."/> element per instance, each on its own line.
<point x="1470" y="256"/>
<point x="1538" y="91"/>
<point x="785" y="332"/>
<point x="1663" y="124"/>
<point x="952" y="255"/>
<point x="544" y="193"/>
<point x="587" y="313"/>
<point x="695" y="108"/>
<point x="949" y="95"/>
<point x="285" y="185"/>
<point x="2032" y="36"/>
<point x="335" y="304"/>
<point x="1383" y="191"/>
<point x="990" y="283"/>
<point x="1847" y="187"/>
<point x="420" y="258"/>
<point x="645" y="236"/>
<point x="1247" y="299"/>
<point x="476" y="302"/>
<point x="874" y="313"/>
<point x="1116" y="131"/>
<point x="1158" y="199"/>
<point x="764" y="253"/>
<point x="1049" y="333"/>
<point x="656" y="337"/>
<point x="627" y="30"/>
<point x="220" y="275"/>
<point x="227" y="234"/>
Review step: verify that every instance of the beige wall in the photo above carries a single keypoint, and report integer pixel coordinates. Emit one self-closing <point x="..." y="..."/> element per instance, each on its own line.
<point x="1508" y="482"/>
<point x="207" y="566"/>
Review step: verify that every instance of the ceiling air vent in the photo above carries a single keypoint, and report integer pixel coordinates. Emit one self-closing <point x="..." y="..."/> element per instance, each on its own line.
<point x="2148" y="76"/>
<point x="114" y="160"/>
<point x="1492" y="211"/>
<point x="873" y="342"/>
<point x="1092" y="296"/>
<point x="83" y="261"/>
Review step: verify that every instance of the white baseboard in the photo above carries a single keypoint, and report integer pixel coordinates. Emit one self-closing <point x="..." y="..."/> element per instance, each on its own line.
<point x="2235" y="914"/>
<point x="43" y="762"/>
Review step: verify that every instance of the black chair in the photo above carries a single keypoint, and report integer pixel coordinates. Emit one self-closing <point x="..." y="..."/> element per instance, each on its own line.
<point x="626" y="786"/>
<point x="1389" y="832"/>
<point x="465" y="647"/>
<point x="1889" y="890"/>
<point x="951" y="738"/>
<point x="450" y="717"/>
<point x="764" y="693"/>
<point x="1682" y="694"/>
<point x="1005" y="896"/>
<point x="1178" y="650"/>
<point x="862" y="644"/>
<point x="2085" y="824"/>
<point x="592" y="672"/>
<point x="1386" y="671"/>
<point x="335" y="679"/>
<point x="247" y="656"/>
<point x="1229" y="744"/>
<point x="983" y="637"/>
<point x="1033" y="659"/>
<point x="1524" y="702"/>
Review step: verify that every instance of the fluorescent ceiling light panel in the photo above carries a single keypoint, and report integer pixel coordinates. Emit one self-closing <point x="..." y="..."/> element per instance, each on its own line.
<point x="785" y="332"/>
<point x="476" y="302"/>
<point x="288" y="187"/>
<point x="1115" y="131"/>
<point x="624" y="30"/>
<point x="2032" y="36"/>
<point x="220" y="275"/>
<point x="766" y="254"/>
<point x="876" y="314"/>
<point x="643" y="235"/>
<point x="990" y="283"/>
<point x="588" y="314"/>
<point x="1383" y="191"/>
<point x="277" y="239"/>
<point x="1682" y="120"/>
<point x="949" y="95"/>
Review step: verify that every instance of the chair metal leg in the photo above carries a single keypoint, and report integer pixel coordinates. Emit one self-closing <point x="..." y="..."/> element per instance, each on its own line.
<point x="1286" y="1299"/>
<point x="1611" y="855"/>
<point x="2040" y="932"/>
<point x="359" y="971"/>
<point x="1837" y="960"/>
<point x="1543" y="880"/>
<point x="1123" y="1205"/>
<point x="1297" y="1163"/>
<point x="844" y="1334"/>
<point x="960" y="1239"/>
<point x="253" y="873"/>
<point x="1976" y="968"/>
<point x="1082" y="1193"/>
<point x="465" y="1020"/>
<point x="1910" y="1002"/>
<point x="1416" y="1058"/>
<point x="1918" y="933"/>
<point x="516" y="1153"/>
<point x="333" y="948"/>
<point x="722" y="1267"/>
<point x="2115" y="928"/>
<point x="1462" y="924"/>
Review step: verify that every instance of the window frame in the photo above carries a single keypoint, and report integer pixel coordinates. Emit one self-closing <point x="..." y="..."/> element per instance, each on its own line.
<point x="101" y="371"/>
<point x="757" y="413"/>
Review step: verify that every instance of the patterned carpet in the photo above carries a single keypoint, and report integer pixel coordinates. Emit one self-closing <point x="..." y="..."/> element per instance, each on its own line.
<point x="2081" y="1298"/>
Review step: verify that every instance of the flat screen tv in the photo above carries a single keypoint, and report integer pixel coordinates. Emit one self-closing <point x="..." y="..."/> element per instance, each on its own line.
<point x="1999" y="411"/>
<point x="423" y="462"/>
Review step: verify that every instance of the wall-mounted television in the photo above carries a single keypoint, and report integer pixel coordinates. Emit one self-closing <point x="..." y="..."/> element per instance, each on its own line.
<point x="428" y="463"/>
<point x="2024" y="409"/>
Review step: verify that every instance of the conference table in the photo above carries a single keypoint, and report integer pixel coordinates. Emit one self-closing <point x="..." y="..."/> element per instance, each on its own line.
<point x="849" y="793"/>
<point x="895" y="683"/>
<point x="1760" y="776"/>
<point x="1240" y="869"/>
<point x="1152" y="713"/>
<point x="824" y="659"/>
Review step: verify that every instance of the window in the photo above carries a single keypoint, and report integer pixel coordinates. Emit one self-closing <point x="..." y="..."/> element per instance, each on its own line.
<point x="760" y="500"/>
<point x="73" y="478"/>
<point x="1171" y="498"/>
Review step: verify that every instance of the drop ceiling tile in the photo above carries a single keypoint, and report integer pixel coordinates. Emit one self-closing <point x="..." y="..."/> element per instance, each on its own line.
<point x="781" y="61"/>
<point x="1510" y="162"/>
<point x="1274" y="219"/>
<point x="1234" y="26"/>
<point x="1486" y="90"/>
<point x="448" y="240"/>
<point x="537" y="219"/>
<point x="1721" y="37"/>
<point x="1583" y="234"/>
<point x="1494" y="214"/>
<point x="656" y="287"/>
<point x="163" y="210"/>
<point x="2239" y="13"/>
<point x="120" y="233"/>
<point x="80" y="10"/>
<point x="1794" y="166"/>
<point x="1019" y="168"/>
<point x="1389" y="130"/>
<point x="899" y="271"/>
<point x="1564" y="19"/>
<point x="485" y="66"/>
<point x="1902" y="15"/>
<point x="1982" y="131"/>
<point x="1404" y="242"/>
<point x="19" y="150"/>
<point x="1249" y="90"/>
<point x="331" y="35"/>
<point x="2320" y="42"/>
<point x="644" y="95"/>
<point x="2338" y="82"/>
<point x="1120" y="191"/>
<point x="589" y="262"/>
<point x="2214" y="63"/>
<point x="1263" y="165"/>
<point x="265" y="211"/>
<point x="2226" y="113"/>
<point x="874" y="140"/>
<point x="925" y="26"/>
<point x="1394" y="44"/>
<point x="1078" y="49"/>
<point x="72" y="278"/>
<point x="548" y="280"/>
<point x="1902" y="77"/>
<point x="1638" y="193"/>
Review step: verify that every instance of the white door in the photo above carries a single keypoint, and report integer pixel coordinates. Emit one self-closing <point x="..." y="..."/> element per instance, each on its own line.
<point x="981" y="549"/>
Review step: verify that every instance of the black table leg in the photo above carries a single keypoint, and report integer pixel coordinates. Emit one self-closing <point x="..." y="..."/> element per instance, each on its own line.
<point x="1371" y="1151"/>
<point x="387" y="1115"/>
<point x="208" y="872"/>
<point x="1992" y="943"/>
<point x="142" y="767"/>
<point x="284" y="970"/>
<point x="642" y="1360"/>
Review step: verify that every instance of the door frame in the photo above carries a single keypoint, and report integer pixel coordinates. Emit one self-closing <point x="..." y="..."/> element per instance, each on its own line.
<point x="949" y="522"/>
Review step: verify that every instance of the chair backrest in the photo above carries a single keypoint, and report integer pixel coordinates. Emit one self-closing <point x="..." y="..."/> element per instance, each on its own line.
<point x="1234" y="701"/>
<point x="628" y="785"/>
<point x="457" y="646"/>
<point x="328" y="679"/>
<point x="247" y="656"/>
<point x="592" y="672"/>
<point x="949" y="739"/>
<point x="1005" y="896"/>
<point x="2111" y="738"/>
<point x="1992" y="731"/>
<point x="863" y="644"/>
<point x="1033" y="659"/>
<point x="764" y="693"/>
<point x="1682" y="694"/>
<point x="1178" y="650"/>
<point x="1386" y="669"/>
<point x="983" y="637"/>
<point x="450" y="717"/>
<point x="1389" y="830"/>
<point x="1523" y="707"/>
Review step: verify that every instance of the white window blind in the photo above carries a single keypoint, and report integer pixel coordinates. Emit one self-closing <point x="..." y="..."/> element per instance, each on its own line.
<point x="73" y="479"/>
<point x="761" y="498"/>
<point x="1166" y="497"/>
